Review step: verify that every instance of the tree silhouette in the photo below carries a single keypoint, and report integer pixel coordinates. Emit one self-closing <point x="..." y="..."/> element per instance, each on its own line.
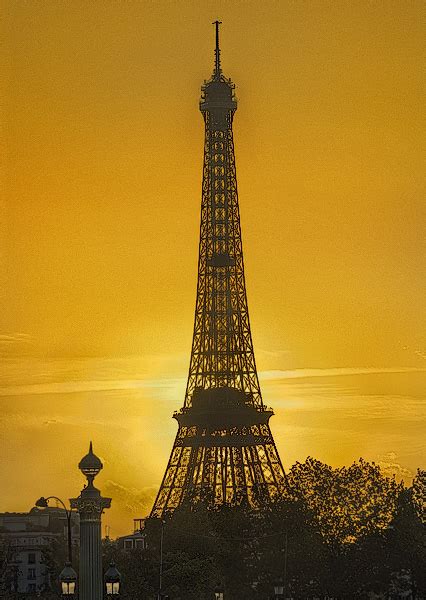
<point x="341" y="533"/>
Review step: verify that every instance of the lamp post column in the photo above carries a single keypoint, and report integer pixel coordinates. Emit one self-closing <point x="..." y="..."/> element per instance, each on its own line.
<point x="90" y="505"/>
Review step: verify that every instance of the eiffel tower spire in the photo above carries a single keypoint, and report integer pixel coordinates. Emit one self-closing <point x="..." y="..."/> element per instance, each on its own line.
<point x="224" y="452"/>
<point x="217" y="68"/>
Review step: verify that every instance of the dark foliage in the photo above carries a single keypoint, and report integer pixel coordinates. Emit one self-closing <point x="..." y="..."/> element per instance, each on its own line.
<point x="342" y="533"/>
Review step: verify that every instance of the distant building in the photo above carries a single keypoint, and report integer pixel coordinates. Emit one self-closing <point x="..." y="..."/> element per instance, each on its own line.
<point x="25" y="539"/>
<point x="135" y="540"/>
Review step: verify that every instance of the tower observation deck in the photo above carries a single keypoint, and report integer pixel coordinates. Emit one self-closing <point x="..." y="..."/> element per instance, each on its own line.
<point x="224" y="452"/>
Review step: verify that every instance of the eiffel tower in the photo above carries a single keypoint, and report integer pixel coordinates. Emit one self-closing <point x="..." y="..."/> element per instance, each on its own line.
<point x="224" y="452"/>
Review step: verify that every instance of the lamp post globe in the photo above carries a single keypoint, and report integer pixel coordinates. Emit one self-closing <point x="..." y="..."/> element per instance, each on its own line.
<point x="112" y="580"/>
<point x="68" y="581"/>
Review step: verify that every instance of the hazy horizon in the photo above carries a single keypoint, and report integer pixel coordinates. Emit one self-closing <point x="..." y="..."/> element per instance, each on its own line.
<point x="52" y="409"/>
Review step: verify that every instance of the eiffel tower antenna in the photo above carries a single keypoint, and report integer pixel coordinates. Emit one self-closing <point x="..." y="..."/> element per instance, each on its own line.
<point x="224" y="452"/>
<point x="217" y="67"/>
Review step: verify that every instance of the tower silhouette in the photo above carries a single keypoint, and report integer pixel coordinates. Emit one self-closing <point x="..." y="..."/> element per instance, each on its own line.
<point x="224" y="452"/>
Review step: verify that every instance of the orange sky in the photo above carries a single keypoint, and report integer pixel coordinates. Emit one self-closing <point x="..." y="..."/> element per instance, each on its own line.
<point x="99" y="236"/>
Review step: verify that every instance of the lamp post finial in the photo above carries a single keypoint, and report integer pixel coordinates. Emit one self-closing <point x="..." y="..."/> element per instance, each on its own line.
<point x="90" y="465"/>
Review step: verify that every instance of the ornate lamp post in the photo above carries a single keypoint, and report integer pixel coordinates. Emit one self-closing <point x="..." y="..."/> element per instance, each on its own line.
<point x="90" y="504"/>
<point x="112" y="581"/>
<point x="44" y="503"/>
<point x="67" y="577"/>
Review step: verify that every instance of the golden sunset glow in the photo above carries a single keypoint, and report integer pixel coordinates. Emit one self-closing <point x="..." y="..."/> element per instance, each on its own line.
<point x="99" y="235"/>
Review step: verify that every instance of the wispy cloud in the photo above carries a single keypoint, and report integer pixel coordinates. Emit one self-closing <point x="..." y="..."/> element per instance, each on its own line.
<point x="15" y="344"/>
<point x="14" y="338"/>
<point x="136" y="502"/>
<point x="420" y="352"/>
<point x="11" y="340"/>
<point x="73" y="387"/>
<point x="390" y="467"/>
<point x="99" y="385"/>
<point x="335" y="372"/>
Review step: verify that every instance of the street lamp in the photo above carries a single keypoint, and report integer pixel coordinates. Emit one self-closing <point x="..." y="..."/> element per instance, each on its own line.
<point x="279" y="589"/>
<point x="68" y="581"/>
<point x="44" y="503"/>
<point x="218" y="593"/>
<point x="112" y="580"/>
<point x="68" y="577"/>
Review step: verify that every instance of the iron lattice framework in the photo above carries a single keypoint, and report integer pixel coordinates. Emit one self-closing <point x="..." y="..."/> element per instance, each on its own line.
<point x="224" y="452"/>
